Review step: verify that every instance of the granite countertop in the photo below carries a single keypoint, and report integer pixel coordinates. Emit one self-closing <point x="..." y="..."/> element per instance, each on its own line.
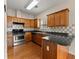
<point x="59" y="38"/>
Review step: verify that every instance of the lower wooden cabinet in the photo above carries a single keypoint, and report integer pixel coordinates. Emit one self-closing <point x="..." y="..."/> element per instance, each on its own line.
<point x="9" y="39"/>
<point x="37" y="38"/>
<point x="70" y="56"/>
<point x="52" y="50"/>
<point x="28" y="36"/>
<point x="46" y="52"/>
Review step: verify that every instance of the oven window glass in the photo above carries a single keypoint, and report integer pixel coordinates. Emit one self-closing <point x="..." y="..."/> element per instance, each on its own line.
<point x="20" y="37"/>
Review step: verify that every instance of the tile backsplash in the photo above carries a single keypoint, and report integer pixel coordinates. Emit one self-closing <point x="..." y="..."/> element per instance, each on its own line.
<point x="70" y="29"/>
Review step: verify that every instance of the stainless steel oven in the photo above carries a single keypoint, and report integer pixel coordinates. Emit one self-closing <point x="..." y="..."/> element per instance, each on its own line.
<point x="18" y="36"/>
<point x="18" y="39"/>
<point x="18" y="33"/>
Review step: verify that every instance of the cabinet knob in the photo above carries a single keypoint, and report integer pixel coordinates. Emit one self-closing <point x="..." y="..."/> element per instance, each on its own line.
<point x="47" y="48"/>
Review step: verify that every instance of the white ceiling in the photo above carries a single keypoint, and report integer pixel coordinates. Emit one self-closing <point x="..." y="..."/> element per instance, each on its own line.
<point x="42" y="5"/>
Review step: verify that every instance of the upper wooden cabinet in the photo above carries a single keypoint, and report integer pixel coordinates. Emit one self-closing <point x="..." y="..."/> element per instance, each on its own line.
<point x="60" y="18"/>
<point x="9" y="21"/>
<point x="50" y="21"/>
<point x="64" y="18"/>
<point x="20" y="20"/>
<point x="57" y="19"/>
<point x="32" y="23"/>
<point x="35" y="23"/>
<point x="14" y="19"/>
<point x="27" y="23"/>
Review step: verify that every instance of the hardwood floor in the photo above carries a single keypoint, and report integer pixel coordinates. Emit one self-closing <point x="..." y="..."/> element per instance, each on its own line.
<point x="26" y="51"/>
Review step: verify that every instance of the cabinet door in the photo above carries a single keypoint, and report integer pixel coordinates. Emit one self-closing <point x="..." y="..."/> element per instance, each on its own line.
<point x="46" y="52"/>
<point x="9" y="39"/>
<point x="50" y="21"/>
<point x="35" y="23"/>
<point x="9" y="21"/>
<point x="32" y="24"/>
<point x="22" y="20"/>
<point x="62" y="52"/>
<point x="28" y="36"/>
<point x="53" y="49"/>
<point x="37" y="38"/>
<point x="27" y="23"/>
<point x="70" y="56"/>
<point x="64" y="18"/>
<point x="57" y="19"/>
<point x="15" y="19"/>
<point x="19" y="20"/>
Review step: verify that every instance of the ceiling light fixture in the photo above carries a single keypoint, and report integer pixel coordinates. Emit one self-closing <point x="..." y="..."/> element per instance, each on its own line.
<point x="33" y="4"/>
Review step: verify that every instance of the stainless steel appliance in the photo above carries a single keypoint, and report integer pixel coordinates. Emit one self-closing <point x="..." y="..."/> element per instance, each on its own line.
<point x="18" y="34"/>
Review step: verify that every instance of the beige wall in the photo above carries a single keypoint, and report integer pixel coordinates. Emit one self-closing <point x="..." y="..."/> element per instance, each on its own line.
<point x="18" y="13"/>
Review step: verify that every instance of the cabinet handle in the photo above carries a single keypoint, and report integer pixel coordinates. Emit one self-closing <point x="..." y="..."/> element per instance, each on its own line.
<point x="47" y="48"/>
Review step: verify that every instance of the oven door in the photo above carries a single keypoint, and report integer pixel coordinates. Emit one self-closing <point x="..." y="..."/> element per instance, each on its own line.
<point x="18" y="38"/>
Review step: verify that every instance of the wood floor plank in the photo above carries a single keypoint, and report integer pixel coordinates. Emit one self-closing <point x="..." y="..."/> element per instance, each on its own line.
<point x="25" y="51"/>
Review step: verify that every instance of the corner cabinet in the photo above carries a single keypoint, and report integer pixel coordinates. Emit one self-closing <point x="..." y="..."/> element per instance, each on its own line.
<point x="60" y="18"/>
<point x="51" y="50"/>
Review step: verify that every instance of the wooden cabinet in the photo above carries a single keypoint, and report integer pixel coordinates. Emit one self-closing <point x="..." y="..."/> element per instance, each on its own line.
<point x="51" y="21"/>
<point x="64" y="18"/>
<point x="35" y="23"/>
<point x="28" y="36"/>
<point x="70" y="56"/>
<point x="57" y="19"/>
<point x="9" y="21"/>
<point x="14" y="19"/>
<point x="27" y="23"/>
<point x="32" y="23"/>
<point x="62" y="52"/>
<point x="60" y="18"/>
<point x="52" y="50"/>
<point x="9" y="39"/>
<point x="46" y="52"/>
<point x="37" y="38"/>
